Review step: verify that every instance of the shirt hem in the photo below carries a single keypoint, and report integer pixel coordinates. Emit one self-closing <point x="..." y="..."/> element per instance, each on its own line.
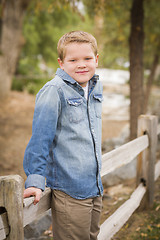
<point x="75" y="196"/>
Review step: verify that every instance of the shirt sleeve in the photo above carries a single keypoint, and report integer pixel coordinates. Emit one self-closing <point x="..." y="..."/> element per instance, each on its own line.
<point x="44" y="126"/>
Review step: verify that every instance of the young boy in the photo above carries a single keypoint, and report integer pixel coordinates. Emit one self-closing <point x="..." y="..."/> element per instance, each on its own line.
<point x="65" y="147"/>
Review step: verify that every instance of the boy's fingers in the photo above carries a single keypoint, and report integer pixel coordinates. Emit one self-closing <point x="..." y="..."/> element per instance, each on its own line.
<point x="37" y="196"/>
<point x="36" y="192"/>
<point x="28" y="193"/>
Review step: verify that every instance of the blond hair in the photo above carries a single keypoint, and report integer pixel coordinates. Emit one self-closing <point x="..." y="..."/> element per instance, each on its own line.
<point x="75" y="37"/>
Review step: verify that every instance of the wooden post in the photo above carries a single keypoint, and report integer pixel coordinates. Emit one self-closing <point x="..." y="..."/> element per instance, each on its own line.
<point x="146" y="160"/>
<point x="11" y="198"/>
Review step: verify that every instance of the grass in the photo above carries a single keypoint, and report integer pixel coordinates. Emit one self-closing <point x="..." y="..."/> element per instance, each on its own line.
<point x="150" y="229"/>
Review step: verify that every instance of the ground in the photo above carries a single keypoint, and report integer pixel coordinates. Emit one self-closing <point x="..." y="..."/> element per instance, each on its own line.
<point x="15" y="131"/>
<point x="144" y="224"/>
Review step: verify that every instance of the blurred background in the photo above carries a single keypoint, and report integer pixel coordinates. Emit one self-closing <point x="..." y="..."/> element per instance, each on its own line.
<point x="128" y="36"/>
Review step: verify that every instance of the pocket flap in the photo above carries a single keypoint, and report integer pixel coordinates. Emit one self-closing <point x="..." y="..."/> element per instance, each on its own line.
<point x="75" y="101"/>
<point x="98" y="97"/>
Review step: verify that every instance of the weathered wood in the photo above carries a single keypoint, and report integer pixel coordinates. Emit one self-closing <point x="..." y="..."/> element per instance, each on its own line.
<point x="123" y="155"/>
<point x="146" y="160"/>
<point x="157" y="170"/>
<point x="4" y="227"/>
<point x="31" y="211"/>
<point x="11" y="198"/>
<point x="121" y="215"/>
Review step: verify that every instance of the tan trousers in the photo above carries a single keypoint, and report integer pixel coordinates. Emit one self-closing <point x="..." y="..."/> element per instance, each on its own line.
<point x="75" y="219"/>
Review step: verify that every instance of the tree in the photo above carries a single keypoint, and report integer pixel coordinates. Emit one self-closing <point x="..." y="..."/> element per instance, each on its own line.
<point x="144" y="53"/>
<point x="136" y="42"/>
<point x="11" y="41"/>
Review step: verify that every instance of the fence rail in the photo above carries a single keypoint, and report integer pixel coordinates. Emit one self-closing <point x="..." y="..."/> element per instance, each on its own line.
<point x="15" y="213"/>
<point x="123" y="155"/>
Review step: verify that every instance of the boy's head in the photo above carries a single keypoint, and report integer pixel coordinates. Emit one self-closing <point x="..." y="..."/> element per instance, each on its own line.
<point x="75" y="37"/>
<point x="78" y="55"/>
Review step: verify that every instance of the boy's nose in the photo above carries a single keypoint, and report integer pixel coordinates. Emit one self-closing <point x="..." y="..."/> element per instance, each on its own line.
<point x="81" y="65"/>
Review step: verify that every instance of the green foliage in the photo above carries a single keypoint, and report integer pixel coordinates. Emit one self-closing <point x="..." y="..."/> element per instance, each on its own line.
<point x="117" y="30"/>
<point x="114" y="34"/>
<point x="30" y="84"/>
<point x="114" y="29"/>
<point x="45" y="23"/>
<point x="92" y="7"/>
<point x="17" y="84"/>
<point x="28" y="65"/>
<point x="152" y="31"/>
<point x="109" y="21"/>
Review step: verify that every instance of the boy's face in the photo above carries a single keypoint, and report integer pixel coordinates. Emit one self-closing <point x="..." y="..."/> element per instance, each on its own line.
<point x="79" y="62"/>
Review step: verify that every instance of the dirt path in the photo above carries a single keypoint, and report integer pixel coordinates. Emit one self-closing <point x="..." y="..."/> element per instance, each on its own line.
<point x="16" y="115"/>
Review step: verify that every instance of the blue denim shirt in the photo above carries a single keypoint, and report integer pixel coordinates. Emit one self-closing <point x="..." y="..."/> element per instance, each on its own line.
<point x="65" y="147"/>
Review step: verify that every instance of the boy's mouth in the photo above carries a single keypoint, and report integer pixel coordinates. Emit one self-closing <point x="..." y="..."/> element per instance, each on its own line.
<point x="81" y="72"/>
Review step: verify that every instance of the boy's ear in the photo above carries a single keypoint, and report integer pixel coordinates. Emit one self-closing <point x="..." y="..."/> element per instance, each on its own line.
<point x="60" y="63"/>
<point x="97" y="57"/>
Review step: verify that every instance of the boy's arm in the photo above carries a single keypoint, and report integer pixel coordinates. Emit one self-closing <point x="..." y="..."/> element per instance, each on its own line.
<point x="45" y="118"/>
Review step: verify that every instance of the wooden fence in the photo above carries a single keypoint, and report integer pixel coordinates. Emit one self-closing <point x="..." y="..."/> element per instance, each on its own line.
<point x="16" y="213"/>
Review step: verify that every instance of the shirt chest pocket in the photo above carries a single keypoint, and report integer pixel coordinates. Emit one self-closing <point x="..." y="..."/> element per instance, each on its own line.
<point x="98" y="98"/>
<point x="75" y="110"/>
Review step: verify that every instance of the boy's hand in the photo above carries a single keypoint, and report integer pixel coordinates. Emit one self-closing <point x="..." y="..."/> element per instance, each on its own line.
<point x="32" y="191"/>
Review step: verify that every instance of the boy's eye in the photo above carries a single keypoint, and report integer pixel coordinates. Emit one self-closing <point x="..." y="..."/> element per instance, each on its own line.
<point x="89" y="58"/>
<point x="72" y="60"/>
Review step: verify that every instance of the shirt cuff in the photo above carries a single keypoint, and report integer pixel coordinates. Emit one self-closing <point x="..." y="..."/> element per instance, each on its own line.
<point x="35" y="180"/>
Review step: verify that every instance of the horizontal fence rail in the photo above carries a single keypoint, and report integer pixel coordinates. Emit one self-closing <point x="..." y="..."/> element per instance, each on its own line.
<point x="12" y="222"/>
<point x="123" y="154"/>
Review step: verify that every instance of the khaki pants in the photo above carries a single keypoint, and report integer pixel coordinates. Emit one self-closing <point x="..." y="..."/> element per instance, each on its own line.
<point x="75" y="219"/>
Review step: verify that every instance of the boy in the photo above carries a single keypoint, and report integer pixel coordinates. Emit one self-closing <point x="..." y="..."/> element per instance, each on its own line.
<point x="65" y="147"/>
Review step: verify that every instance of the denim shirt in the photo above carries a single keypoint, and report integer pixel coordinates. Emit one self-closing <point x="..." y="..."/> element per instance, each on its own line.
<point x="65" y="147"/>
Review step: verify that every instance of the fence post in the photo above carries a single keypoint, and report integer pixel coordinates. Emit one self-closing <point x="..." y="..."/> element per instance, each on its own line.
<point x="11" y="198"/>
<point x="147" y="124"/>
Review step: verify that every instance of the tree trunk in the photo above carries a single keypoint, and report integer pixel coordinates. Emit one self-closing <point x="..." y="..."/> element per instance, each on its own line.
<point x="150" y="81"/>
<point x="136" y="65"/>
<point x="10" y="40"/>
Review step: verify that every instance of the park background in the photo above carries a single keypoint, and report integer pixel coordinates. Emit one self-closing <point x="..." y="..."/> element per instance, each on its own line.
<point x="128" y="36"/>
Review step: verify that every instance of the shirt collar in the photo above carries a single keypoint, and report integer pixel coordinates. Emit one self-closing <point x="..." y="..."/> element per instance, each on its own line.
<point x="62" y="74"/>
